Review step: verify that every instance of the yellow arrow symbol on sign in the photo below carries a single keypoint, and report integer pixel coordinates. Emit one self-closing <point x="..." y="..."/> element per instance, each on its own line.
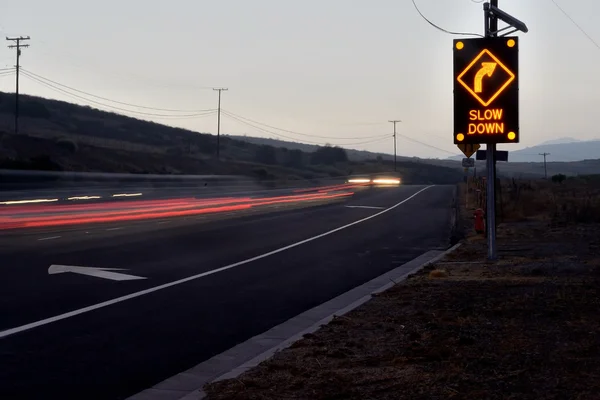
<point x="487" y="68"/>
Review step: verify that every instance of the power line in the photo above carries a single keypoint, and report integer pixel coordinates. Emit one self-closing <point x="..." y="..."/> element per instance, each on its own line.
<point x="279" y="135"/>
<point x="576" y="24"/>
<point x="63" y="91"/>
<point x="439" y="27"/>
<point x="425" y="144"/>
<point x="299" y="133"/>
<point x="107" y="99"/>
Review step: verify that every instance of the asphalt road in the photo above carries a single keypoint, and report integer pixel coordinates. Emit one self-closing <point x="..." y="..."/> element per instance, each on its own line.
<point x="208" y="286"/>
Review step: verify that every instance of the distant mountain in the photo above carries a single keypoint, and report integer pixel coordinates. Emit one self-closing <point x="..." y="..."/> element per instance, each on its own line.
<point x="561" y="150"/>
<point x="560" y="141"/>
<point x="566" y="151"/>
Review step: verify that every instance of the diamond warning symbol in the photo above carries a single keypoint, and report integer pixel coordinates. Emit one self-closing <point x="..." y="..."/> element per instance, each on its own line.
<point x="486" y="77"/>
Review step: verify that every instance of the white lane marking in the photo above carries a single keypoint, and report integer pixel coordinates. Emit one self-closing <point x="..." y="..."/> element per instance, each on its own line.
<point x="84" y="198"/>
<point x="97" y="272"/>
<point x="164" y="222"/>
<point x="114" y="229"/>
<point x="11" y="202"/>
<point x="369" y="207"/>
<point x="49" y="238"/>
<point x="126" y="194"/>
<point x="130" y="296"/>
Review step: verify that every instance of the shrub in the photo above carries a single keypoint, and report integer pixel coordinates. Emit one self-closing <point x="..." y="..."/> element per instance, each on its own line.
<point x="68" y="145"/>
<point x="558" y="178"/>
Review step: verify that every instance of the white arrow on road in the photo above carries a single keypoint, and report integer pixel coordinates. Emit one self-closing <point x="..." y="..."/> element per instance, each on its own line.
<point x="97" y="272"/>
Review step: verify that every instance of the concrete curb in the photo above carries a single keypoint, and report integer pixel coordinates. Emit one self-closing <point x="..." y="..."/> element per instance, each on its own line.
<point x="239" y="359"/>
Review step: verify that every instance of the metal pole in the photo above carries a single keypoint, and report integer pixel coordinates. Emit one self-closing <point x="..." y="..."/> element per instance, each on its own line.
<point x="492" y="25"/>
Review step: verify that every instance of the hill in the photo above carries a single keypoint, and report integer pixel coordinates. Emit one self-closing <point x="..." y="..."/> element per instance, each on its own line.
<point x="355" y="155"/>
<point x="57" y="135"/>
<point x="514" y="168"/>
<point x="561" y="150"/>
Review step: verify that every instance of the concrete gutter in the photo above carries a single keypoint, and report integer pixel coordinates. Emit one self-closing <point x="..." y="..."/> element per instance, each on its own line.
<point x="239" y="359"/>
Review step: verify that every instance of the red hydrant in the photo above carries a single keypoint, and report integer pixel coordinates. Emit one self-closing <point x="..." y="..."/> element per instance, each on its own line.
<point x="479" y="220"/>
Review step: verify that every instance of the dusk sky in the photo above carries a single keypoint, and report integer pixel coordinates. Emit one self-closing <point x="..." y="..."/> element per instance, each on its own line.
<point x="327" y="68"/>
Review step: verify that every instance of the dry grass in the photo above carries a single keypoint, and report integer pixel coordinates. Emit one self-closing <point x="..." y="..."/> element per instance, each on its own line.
<point x="577" y="200"/>
<point x="438" y="273"/>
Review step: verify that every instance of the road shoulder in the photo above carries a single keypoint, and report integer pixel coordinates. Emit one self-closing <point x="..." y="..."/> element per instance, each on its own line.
<point x="247" y="355"/>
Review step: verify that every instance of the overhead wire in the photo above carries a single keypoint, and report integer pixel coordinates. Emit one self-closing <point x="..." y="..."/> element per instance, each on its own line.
<point x="299" y="133"/>
<point x="375" y="138"/>
<point x="279" y="135"/>
<point x="426" y="144"/>
<point x="107" y="99"/>
<point x="591" y="39"/>
<point x="439" y="27"/>
<point x="110" y="107"/>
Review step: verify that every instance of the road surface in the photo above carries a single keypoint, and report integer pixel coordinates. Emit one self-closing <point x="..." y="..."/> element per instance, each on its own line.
<point x="197" y="286"/>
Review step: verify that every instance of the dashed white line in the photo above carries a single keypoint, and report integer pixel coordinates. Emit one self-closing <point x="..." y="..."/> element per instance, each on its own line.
<point x="49" y="238"/>
<point x="114" y="229"/>
<point x="144" y="292"/>
<point x="368" y="207"/>
<point x="164" y="222"/>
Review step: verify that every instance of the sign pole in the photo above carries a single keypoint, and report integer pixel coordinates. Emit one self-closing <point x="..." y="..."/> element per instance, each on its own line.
<point x="486" y="100"/>
<point x="491" y="24"/>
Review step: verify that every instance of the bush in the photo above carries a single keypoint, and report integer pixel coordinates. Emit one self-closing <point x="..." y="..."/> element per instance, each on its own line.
<point x="329" y="156"/>
<point x="558" y="178"/>
<point x="68" y="145"/>
<point x="266" y="155"/>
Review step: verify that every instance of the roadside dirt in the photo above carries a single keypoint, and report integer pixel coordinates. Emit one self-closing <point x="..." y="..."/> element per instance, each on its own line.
<point x="524" y="327"/>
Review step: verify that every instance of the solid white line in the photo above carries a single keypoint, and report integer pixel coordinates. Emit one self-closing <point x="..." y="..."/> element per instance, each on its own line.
<point x="107" y="303"/>
<point x="369" y="207"/>
<point x="49" y="238"/>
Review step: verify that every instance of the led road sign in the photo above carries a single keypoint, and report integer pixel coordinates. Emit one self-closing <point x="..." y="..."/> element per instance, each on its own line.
<point x="486" y="90"/>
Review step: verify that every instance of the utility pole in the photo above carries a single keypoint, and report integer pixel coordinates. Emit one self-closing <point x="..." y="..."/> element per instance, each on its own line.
<point x="394" y="122"/>
<point x="545" y="169"/>
<point x="219" y="120"/>
<point x="18" y="46"/>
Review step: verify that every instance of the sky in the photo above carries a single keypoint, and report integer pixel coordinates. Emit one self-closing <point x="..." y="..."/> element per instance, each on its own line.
<point x="330" y="71"/>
